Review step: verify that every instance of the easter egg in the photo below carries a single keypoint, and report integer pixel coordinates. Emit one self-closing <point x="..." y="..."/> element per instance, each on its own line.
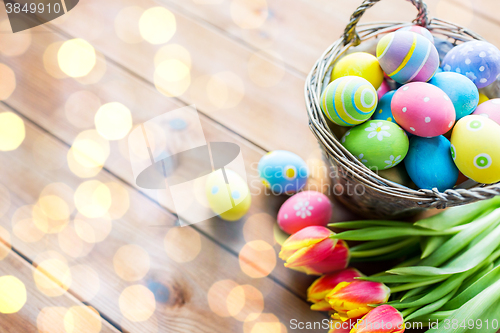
<point x="406" y="56"/>
<point x="443" y="46"/>
<point x="399" y="175"/>
<point x="360" y="64"/>
<point x="419" y="30"/>
<point x="383" y="111"/>
<point x="482" y="98"/>
<point x="475" y="149"/>
<point x="231" y="200"/>
<point x="429" y="163"/>
<point x="378" y="144"/>
<point x="489" y="109"/>
<point x="460" y="89"/>
<point x="283" y="171"/>
<point x="384" y="89"/>
<point x="349" y="100"/>
<point x="423" y="109"/>
<point x="304" y="209"/>
<point x="478" y="60"/>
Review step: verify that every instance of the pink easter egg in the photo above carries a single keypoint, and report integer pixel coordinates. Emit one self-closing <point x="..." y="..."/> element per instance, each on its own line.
<point x="423" y="109"/>
<point x="384" y="88"/>
<point x="489" y="109"/>
<point x="304" y="209"/>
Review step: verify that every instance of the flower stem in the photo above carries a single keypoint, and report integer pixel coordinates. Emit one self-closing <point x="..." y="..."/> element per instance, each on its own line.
<point x="408" y="286"/>
<point x="384" y="250"/>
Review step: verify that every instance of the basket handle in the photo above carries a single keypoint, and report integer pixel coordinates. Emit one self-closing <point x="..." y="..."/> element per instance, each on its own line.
<point x="350" y="33"/>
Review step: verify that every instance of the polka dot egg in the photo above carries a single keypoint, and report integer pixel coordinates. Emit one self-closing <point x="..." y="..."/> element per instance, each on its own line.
<point x="378" y="144"/>
<point x="489" y="109"/>
<point x="474" y="149"/>
<point x="231" y="200"/>
<point x="383" y="111"/>
<point x="406" y="56"/>
<point x="478" y="60"/>
<point x="304" y="209"/>
<point x="349" y="100"/>
<point x="419" y="30"/>
<point x="423" y="109"/>
<point x="283" y="171"/>
<point x="360" y="64"/>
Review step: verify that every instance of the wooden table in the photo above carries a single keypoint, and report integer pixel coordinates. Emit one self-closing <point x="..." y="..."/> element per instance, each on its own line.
<point x="243" y="63"/>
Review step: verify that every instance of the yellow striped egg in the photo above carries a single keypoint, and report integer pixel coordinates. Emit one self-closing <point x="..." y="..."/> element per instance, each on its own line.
<point x="407" y="57"/>
<point x="349" y="100"/>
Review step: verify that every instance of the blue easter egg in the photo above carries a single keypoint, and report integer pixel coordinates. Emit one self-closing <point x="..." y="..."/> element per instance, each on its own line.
<point x="478" y="60"/>
<point x="429" y="163"/>
<point x="383" y="111"/>
<point x="283" y="171"/>
<point x="460" y="89"/>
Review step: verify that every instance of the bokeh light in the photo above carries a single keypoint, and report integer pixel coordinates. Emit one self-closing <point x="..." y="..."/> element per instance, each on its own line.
<point x="72" y="244"/>
<point x="113" y="121"/>
<point x="85" y="282"/>
<point x="137" y="303"/>
<point x="93" y="230"/>
<point x="249" y="14"/>
<point x="4" y="200"/>
<point x="8" y="81"/>
<point x="54" y="207"/>
<point x="81" y="107"/>
<point x="157" y="25"/>
<point x="92" y="199"/>
<point x="131" y="262"/>
<point x="265" y="323"/>
<point x="182" y="244"/>
<point x="52" y="277"/>
<point x="50" y="205"/>
<point x="51" y="320"/>
<point x="259" y="227"/>
<point x="44" y="153"/>
<point x="279" y="235"/>
<point x="172" y="77"/>
<point x="217" y="297"/>
<point x="127" y="24"/>
<point x="76" y="57"/>
<point x="82" y="319"/>
<point x="96" y="73"/>
<point x="24" y="227"/>
<point x="12" y="45"/>
<point x="88" y="154"/>
<point x="50" y="62"/>
<point x="173" y="51"/>
<point x="120" y="200"/>
<point x="12" y="294"/>
<point x="5" y="243"/>
<point x="257" y="259"/>
<point x="245" y="303"/>
<point x="225" y="90"/>
<point x="12" y="131"/>
<point x="263" y="72"/>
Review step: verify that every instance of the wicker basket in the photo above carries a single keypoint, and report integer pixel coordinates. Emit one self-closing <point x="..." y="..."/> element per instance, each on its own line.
<point x="380" y="197"/>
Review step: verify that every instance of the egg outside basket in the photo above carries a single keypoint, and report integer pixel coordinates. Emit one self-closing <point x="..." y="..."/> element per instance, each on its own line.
<point x="363" y="190"/>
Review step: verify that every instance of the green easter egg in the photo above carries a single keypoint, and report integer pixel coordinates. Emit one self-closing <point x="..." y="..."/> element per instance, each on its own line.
<point x="378" y="144"/>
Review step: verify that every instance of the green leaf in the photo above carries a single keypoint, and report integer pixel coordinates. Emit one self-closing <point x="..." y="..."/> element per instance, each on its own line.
<point x="420" y="283"/>
<point x="432" y="306"/>
<point x="368" y="223"/>
<point x="473" y="290"/>
<point x="378" y="233"/>
<point x="385" y="249"/>
<point x="458" y="215"/>
<point x="438" y="315"/>
<point x="413" y="292"/>
<point x="375" y="244"/>
<point x="401" y="278"/>
<point x="431" y="244"/>
<point x="481" y="307"/>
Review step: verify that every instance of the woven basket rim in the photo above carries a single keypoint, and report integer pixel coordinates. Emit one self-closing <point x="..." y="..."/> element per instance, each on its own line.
<point x="318" y="79"/>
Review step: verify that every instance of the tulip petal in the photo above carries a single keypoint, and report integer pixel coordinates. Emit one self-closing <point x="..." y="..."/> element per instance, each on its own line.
<point x="348" y="296"/>
<point x="325" y="284"/>
<point x="321" y="306"/>
<point x="304" y="238"/>
<point x="311" y="254"/>
<point x="339" y="326"/>
<point x="382" y="319"/>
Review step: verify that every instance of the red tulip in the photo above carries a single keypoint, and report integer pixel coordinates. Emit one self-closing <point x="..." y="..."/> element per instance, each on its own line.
<point x="382" y="319"/>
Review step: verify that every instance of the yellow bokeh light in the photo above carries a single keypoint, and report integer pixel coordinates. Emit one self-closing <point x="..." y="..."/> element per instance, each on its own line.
<point x="137" y="303"/>
<point x="50" y="62"/>
<point x="42" y="149"/>
<point x="85" y="282"/>
<point x="54" y="207"/>
<point x="182" y="244"/>
<point x="52" y="277"/>
<point x="72" y="244"/>
<point x="263" y="72"/>
<point x="76" y="57"/>
<point x="257" y="259"/>
<point x="93" y="230"/>
<point x="97" y="73"/>
<point x="157" y="25"/>
<point x="120" y="200"/>
<point x="7" y="83"/>
<point x="82" y="319"/>
<point x="225" y="90"/>
<point x="12" y="45"/>
<point x="173" y="51"/>
<point x="45" y="223"/>
<point x="81" y="107"/>
<point x="131" y="262"/>
<point x="4" y="200"/>
<point x="127" y="24"/>
<point x="88" y="154"/>
<point x="265" y="323"/>
<point x="51" y="320"/>
<point x="245" y="303"/>
<point x="172" y="77"/>
<point x="93" y="199"/>
<point x="217" y="297"/>
<point x="5" y="243"/>
<point x="249" y="14"/>
<point x="12" y="294"/>
<point x="24" y="227"/>
<point x="113" y="121"/>
<point x="12" y="131"/>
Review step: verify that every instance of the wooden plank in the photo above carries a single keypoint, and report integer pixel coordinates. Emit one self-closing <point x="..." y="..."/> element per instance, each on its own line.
<point x="41" y="313"/>
<point x="181" y="278"/>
